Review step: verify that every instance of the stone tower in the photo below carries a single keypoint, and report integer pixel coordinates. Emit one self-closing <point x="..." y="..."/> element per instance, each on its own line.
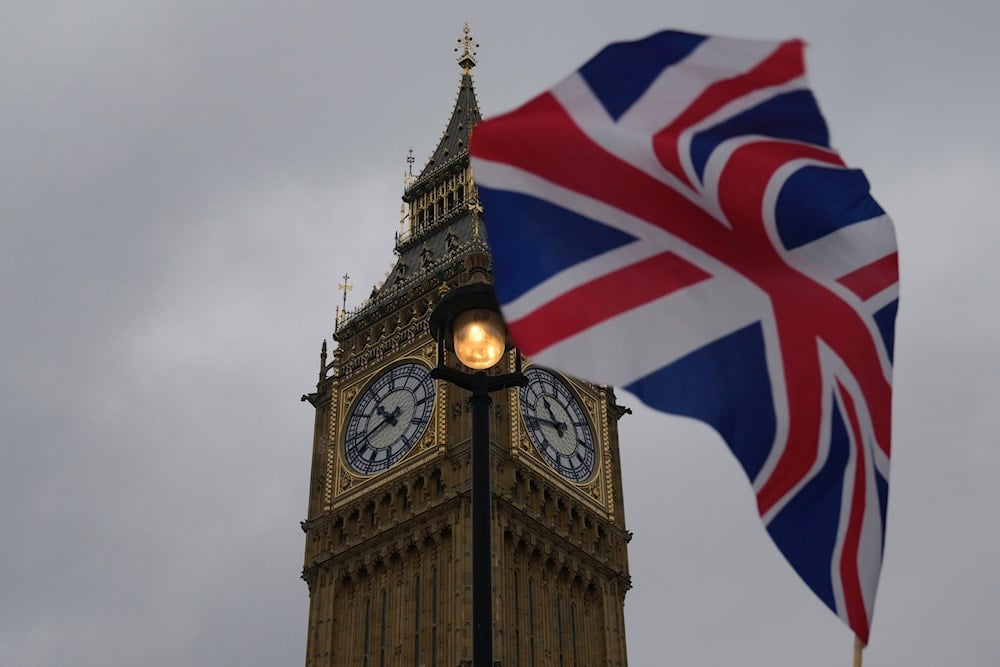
<point x="388" y="522"/>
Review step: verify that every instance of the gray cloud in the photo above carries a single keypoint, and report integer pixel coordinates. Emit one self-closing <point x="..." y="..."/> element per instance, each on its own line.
<point x="182" y="186"/>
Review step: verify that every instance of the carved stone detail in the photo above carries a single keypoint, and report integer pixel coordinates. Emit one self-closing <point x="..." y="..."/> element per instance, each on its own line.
<point x="372" y="538"/>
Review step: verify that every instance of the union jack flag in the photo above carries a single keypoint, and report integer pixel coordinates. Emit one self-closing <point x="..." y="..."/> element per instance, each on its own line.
<point x="671" y="219"/>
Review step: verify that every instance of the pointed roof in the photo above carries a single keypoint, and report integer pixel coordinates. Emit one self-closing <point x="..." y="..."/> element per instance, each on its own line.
<point x="441" y="246"/>
<point x="454" y="144"/>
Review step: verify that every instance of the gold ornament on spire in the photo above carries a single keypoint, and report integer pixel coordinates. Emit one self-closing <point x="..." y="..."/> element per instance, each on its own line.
<point x="467" y="59"/>
<point x="341" y="312"/>
<point x="408" y="177"/>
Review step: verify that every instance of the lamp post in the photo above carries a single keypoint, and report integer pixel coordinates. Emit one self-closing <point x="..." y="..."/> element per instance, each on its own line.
<point x="467" y="321"/>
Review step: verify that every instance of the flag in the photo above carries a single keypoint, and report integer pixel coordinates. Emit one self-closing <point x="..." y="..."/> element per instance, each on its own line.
<point x="671" y="219"/>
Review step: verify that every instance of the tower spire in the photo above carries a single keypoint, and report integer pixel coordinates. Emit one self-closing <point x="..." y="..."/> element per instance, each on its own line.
<point x="436" y="221"/>
<point x="454" y="144"/>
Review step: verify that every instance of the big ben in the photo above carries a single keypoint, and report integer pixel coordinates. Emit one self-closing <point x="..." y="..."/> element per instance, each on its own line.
<point x="388" y="526"/>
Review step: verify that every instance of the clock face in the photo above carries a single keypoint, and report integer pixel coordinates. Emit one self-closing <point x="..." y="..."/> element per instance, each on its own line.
<point x="557" y="425"/>
<point x="389" y="418"/>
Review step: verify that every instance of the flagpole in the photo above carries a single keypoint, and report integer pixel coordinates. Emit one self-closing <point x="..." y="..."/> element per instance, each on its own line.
<point x="858" y="649"/>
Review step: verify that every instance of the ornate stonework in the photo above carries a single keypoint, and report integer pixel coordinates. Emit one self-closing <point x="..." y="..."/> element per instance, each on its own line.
<point x="387" y="554"/>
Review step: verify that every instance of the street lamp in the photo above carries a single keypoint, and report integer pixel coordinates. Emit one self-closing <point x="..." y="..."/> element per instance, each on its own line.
<point x="467" y="321"/>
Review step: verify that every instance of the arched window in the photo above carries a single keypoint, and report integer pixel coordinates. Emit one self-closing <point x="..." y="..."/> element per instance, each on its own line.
<point x="416" y="622"/>
<point x="559" y="629"/>
<point x="434" y="617"/>
<point x="384" y="639"/>
<point x="517" y="624"/>
<point x="531" y="622"/>
<point x="368" y="627"/>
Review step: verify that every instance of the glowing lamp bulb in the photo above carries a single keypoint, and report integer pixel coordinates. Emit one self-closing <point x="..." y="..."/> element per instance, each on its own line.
<point x="479" y="338"/>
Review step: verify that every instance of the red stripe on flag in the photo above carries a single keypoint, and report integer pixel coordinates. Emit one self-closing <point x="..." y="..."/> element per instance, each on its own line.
<point x="857" y="616"/>
<point x="550" y="145"/>
<point x="803" y="310"/>
<point x="783" y="65"/>
<point x="602" y="298"/>
<point x="869" y="280"/>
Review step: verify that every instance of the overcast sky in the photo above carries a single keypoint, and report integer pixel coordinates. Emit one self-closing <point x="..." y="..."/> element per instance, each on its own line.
<point x="182" y="184"/>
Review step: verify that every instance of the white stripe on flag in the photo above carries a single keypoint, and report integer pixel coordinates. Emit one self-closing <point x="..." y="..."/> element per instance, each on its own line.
<point x="651" y="240"/>
<point x="633" y="147"/>
<point x="659" y="332"/>
<point x="679" y="85"/>
<point x="846" y="250"/>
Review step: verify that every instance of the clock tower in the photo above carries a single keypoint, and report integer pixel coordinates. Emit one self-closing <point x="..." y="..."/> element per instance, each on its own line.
<point x="388" y="530"/>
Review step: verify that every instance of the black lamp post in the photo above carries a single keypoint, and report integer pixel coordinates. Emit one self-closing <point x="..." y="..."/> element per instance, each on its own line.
<point x="467" y="321"/>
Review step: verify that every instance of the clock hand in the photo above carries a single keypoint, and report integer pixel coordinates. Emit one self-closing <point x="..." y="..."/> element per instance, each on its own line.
<point x="377" y="427"/>
<point x="560" y="426"/>
<point x="387" y="418"/>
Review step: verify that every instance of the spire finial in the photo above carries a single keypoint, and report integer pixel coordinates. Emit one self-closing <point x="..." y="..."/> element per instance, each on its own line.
<point x="346" y="286"/>
<point x="408" y="177"/>
<point x="467" y="60"/>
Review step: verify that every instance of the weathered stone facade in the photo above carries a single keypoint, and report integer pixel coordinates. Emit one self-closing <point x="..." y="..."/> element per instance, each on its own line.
<point x="387" y="554"/>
